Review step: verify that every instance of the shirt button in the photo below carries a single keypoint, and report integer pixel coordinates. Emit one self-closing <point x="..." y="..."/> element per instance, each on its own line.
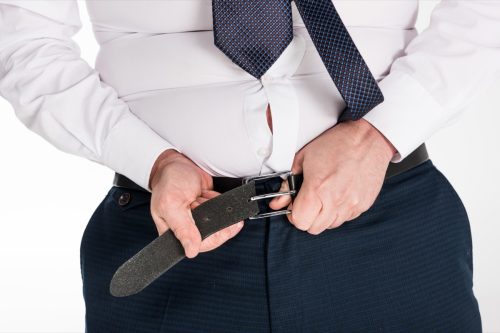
<point x="263" y="152"/>
<point x="124" y="199"/>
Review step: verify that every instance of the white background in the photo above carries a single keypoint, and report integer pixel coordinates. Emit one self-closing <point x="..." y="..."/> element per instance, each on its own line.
<point x="44" y="207"/>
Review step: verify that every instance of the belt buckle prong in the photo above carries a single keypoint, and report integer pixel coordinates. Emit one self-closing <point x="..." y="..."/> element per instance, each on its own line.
<point x="291" y="192"/>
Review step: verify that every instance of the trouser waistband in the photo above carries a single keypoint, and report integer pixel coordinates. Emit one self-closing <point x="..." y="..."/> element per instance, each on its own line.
<point x="223" y="184"/>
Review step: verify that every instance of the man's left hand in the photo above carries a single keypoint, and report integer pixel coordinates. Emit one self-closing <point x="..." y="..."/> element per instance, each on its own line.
<point x="343" y="169"/>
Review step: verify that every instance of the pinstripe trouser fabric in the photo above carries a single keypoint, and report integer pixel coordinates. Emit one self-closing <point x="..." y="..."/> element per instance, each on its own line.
<point x="405" y="265"/>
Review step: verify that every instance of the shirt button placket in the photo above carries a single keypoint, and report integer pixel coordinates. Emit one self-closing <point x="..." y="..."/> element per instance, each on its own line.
<point x="264" y="152"/>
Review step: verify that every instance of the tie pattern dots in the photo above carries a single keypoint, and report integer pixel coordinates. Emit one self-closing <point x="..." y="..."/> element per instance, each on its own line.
<point x="253" y="34"/>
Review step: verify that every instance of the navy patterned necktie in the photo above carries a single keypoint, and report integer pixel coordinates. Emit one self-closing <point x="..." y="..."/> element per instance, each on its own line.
<point x="254" y="33"/>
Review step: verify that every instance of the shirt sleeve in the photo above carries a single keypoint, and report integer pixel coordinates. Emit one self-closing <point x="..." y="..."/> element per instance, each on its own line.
<point x="57" y="95"/>
<point x="443" y="69"/>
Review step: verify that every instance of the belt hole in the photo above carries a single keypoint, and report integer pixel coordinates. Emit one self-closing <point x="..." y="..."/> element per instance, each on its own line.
<point x="229" y="209"/>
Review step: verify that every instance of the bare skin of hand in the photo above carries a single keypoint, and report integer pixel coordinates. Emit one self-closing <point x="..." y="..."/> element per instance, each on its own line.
<point x="178" y="185"/>
<point x="344" y="170"/>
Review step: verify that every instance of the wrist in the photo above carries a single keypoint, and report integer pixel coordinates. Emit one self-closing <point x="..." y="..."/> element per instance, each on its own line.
<point x="391" y="150"/>
<point x="370" y="132"/>
<point x="163" y="159"/>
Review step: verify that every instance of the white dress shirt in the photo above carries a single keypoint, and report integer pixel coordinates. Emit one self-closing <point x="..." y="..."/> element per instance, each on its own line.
<point x="159" y="82"/>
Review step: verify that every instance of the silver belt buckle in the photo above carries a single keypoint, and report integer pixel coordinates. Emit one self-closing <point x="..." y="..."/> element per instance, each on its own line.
<point x="269" y="195"/>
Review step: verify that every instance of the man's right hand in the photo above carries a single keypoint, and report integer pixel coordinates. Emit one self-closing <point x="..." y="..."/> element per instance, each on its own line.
<point x="178" y="185"/>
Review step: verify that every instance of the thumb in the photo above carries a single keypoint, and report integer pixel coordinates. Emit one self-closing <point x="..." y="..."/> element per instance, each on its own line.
<point x="283" y="201"/>
<point x="297" y="163"/>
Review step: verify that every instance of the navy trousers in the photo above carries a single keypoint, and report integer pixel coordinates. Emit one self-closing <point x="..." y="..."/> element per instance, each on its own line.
<point x="405" y="265"/>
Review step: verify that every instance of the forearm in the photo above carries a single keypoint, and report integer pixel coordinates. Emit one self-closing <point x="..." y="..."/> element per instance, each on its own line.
<point x="442" y="70"/>
<point x="57" y="95"/>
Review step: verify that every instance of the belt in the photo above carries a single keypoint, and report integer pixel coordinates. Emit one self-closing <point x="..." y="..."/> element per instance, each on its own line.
<point x="224" y="184"/>
<point x="238" y="201"/>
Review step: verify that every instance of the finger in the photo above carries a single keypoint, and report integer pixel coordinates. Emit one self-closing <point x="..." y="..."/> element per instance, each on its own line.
<point x="333" y="220"/>
<point x="290" y="208"/>
<point x="209" y="194"/>
<point x="298" y="160"/>
<point x="344" y="211"/>
<point x="220" y="237"/>
<point x="331" y="212"/>
<point x="283" y="200"/>
<point x="215" y="240"/>
<point x="181" y="222"/>
<point x="354" y="215"/>
<point x="205" y="195"/>
<point x="196" y="203"/>
<point x="325" y="218"/>
<point x="306" y="207"/>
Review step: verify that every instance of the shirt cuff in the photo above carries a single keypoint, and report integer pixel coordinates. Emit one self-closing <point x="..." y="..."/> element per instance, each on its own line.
<point x="131" y="149"/>
<point x="408" y="116"/>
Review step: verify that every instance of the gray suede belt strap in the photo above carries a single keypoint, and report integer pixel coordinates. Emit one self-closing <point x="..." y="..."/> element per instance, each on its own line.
<point x="233" y="205"/>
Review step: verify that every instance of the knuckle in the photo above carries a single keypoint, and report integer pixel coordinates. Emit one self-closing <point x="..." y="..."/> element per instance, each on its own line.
<point x="230" y="235"/>
<point x="217" y="237"/>
<point x="220" y="239"/>
<point x="211" y="240"/>
<point x="354" y="202"/>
